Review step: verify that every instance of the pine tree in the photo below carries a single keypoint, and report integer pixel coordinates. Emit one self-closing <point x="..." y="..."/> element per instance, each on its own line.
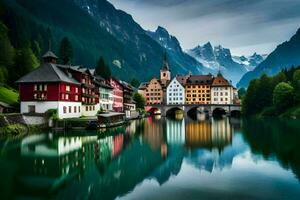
<point x="103" y="69"/>
<point x="65" y="51"/>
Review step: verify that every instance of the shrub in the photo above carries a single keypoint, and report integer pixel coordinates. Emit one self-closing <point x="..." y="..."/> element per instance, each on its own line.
<point x="283" y="96"/>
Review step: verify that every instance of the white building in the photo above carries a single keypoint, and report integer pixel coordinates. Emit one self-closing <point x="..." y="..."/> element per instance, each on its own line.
<point x="221" y="91"/>
<point x="175" y="92"/>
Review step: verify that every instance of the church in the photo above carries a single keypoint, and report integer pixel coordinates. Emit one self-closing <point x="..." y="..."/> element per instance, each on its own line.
<point x="155" y="90"/>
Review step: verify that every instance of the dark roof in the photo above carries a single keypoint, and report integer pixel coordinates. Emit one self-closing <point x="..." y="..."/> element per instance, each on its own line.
<point x="220" y="81"/>
<point x="143" y="85"/>
<point x="182" y="79"/>
<point x="102" y="82"/>
<point x="47" y="72"/>
<point x="200" y="79"/>
<point x="49" y="54"/>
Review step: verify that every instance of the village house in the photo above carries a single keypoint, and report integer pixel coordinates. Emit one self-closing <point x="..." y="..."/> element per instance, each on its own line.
<point x="49" y="87"/>
<point x="198" y="89"/>
<point x="129" y="104"/>
<point x="89" y="90"/>
<point x="106" y="94"/>
<point x="175" y="92"/>
<point x="68" y="89"/>
<point x="221" y="91"/>
<point x="154" y="92"/>
<point x="118" y="105"/>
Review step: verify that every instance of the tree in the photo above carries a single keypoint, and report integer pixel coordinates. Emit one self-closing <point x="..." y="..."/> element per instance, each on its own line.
<point x="25" y="62"/>
<point x="283" y="96"/>
<point x="65" y="51"/>
<point x="134" y="82"/>
<point x="140" y="100"/>
<point x="102" y="69"/>
<point x="241" y="92"/>
<point x="249" y="105"/>
<point x="296" y="84"/>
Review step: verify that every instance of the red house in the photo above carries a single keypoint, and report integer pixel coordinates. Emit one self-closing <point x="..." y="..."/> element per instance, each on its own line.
<point x="48" y="87"/>
<point x="69" y="89"/>
<point x="117" y="95"/>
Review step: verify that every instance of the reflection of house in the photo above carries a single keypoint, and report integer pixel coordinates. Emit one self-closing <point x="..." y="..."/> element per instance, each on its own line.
<point x="153" y="133"/>
<point x="175" y="132"/>
<point x="215" y="134"/>
<point x="48" y="162"/>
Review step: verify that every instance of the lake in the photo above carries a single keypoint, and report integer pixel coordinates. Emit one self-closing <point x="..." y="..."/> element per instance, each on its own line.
<point x="157" y="158"/>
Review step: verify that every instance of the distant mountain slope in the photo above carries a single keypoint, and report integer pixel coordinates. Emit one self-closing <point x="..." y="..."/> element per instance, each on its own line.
<point x="285" y="55"/>
<point x="96" y="29"/>
<point x="174" y="50"/>
<point x="219" y="58"/>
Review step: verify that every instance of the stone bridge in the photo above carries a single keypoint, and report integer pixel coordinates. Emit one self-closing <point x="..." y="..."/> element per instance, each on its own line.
<point x="209" y="109"/>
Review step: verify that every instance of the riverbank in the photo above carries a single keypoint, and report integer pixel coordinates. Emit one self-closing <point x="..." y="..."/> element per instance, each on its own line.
<point x="293" y="112"/>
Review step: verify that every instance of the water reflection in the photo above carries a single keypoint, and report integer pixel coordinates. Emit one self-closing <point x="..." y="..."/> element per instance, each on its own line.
<point x="126" y="160"/>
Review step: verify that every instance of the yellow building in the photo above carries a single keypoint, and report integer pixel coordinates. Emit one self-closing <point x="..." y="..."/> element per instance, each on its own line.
<point x="198" y="89"/>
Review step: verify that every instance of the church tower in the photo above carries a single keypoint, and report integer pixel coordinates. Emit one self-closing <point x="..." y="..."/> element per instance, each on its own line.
<point x="165" y="74"/>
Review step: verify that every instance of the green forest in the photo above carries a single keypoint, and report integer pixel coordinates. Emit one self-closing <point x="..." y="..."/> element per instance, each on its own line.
<point x="278" y="95"/>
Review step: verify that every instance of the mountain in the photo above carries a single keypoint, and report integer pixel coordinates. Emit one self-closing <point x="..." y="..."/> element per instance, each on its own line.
<point x="219" y="58"/>
<point x="250" y="62"/>
<point x="174" y="50"/>
<point x="284" y="56"/>
<point x="95" y="28"/>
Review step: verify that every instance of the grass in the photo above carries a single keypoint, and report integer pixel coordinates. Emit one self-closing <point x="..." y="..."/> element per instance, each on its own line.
<point x="8" y="95"/>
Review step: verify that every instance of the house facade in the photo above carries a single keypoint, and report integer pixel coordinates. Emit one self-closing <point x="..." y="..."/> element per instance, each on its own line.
<point x="221" y="91"/>
<point x="154" y="92"/>
<point x="175" y="92"/>
<point x="198" y="89"/>
<point x="117" y="95"/>
<point x="106" y="94"/>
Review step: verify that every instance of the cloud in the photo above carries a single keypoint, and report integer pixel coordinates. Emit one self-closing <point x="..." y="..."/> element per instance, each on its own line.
<point x="242" y="25"/>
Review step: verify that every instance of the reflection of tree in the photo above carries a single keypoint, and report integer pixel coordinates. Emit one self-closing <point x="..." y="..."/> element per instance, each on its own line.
<point x="208" y="134"/>
<point x="271" y="137"/>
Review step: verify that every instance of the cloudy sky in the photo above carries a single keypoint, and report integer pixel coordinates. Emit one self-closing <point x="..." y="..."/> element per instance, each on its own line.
<point x="244" y="26"/>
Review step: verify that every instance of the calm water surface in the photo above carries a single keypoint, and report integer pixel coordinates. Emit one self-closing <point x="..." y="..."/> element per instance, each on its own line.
<point x="157" y="158"/>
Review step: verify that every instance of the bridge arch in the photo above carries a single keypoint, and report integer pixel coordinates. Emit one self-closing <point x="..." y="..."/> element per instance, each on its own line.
<point x="153" y="110"/>
<point x="171" y="110"/>
<point x="219" y="111"/>
<point x="235" y="113"/>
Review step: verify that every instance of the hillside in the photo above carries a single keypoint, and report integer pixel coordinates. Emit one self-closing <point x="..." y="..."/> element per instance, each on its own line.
<point x="285" y="55"/>
<point x="95" y="28"/>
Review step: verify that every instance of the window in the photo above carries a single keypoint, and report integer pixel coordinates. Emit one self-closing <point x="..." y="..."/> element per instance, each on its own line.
<point x="76" y="89"/>
<point x="76" y="97"/>
<point x="70" y="109"/>
<point x="35" y="87"/>
<point x="65" y="109"/>
<point x="75" y="109"/>
<point x="67" y="97"/>
<point x="67" y="88"/>
<point x="31" y="109"/>
<point x="62" y="96"/>
<point x="78" y="108"/>
<point x="45" y="87"/>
